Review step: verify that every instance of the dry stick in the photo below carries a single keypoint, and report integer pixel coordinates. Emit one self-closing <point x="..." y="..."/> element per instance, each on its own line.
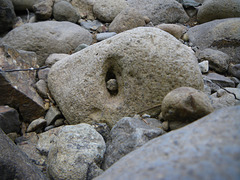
<point x="227" y="91"/>
<point x="29" y="69"/>
<point x="158" y="105"/>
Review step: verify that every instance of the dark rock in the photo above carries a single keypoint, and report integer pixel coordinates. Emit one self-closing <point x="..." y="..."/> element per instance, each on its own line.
<point x="28" y="143"/>
<point x="234" y="70"/>
<point x="218" y="61"/>
<point x="22" y="5"/>
<point x="7" y="15"/>
<point x="221" y="80"/>
<point x="43" y="9"/>
<point x="220" y="9"/>
<point x="103" y="129"/>
<point x="9" y="120"/>
<point x="14" y="164"/>
<point x="127" y="135"/>
<point x="206" y="149"/>
<point x="222" y="35"/>
<point x="18" y="85"/>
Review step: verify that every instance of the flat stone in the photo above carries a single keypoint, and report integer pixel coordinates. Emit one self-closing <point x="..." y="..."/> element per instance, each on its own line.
<point x="106" y="35"/>
<point x="221" y="80"/>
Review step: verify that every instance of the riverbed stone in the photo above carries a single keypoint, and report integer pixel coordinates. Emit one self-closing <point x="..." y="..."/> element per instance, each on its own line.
<point x="138" y="59"/>
<point x="47" y="37"/>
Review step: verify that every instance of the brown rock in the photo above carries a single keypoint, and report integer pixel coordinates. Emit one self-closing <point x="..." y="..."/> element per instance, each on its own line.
<point x="128" y="18"/>
<point x="185" y="105"/>
<point x="16" y="87"/>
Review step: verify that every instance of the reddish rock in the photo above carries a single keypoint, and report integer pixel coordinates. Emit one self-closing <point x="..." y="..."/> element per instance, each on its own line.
<point x="16" y="87"/>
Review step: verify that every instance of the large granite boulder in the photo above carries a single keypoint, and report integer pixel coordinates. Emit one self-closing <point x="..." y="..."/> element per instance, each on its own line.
<point x="160" y="11"/>
<point x="47" y="37"/>
<point x="16" y="87"/>
<point x="206" y="149"/>
<point x="14" y="164"/>
<point x="7" y="15"/>
<point x="122" y="75"/>
<point x="77" y="153"/>
<point x="220" y="9"/>
<point x="223" y="35"/>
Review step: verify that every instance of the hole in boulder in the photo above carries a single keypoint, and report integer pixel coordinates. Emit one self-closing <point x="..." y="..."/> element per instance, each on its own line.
<point x="111" y="82"/>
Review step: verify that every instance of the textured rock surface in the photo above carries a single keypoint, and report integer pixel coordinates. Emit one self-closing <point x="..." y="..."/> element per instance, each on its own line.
<point x="160" y="11"/>
<point x="53" y="58"/>
<point x="218" y="61"/>
<point x="223" y="35"/>
<point x="47" y="37"/>
<point x="14" y="163"/>
<point x="223" y="99"/>
<point x="142" y="60"/>
<point x="129" y="134"/>
<point x="46" y="140"/>
<point x="185" y="105"/>
<point x="84" y="7"/>
<point x="174" y="29"/>
<point x="43" y="9"/>
<point x="76" y="153"/>
<point x="210" y="145"/>
<point x="27" y="143"/>
<point x="211" y="10"/>
<point x="9" y="119"/>
<point x="128" y="18"/>
<point x="7" y="15"/>
<point x="64" y="11"/>
<point x="18" y="85"/>
<point x="107" y="10"/>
